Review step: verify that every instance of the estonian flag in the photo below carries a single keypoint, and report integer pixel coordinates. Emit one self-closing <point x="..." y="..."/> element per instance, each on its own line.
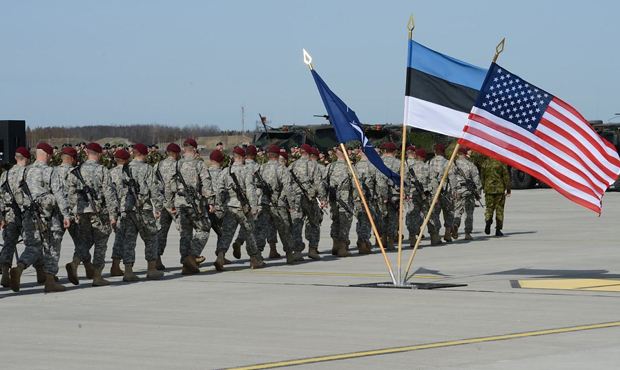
<point x="440" y="90"/>
<point x="348" y="126"/>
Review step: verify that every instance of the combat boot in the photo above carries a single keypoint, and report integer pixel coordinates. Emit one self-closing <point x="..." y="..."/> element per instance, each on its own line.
<point x="51" y="286"/>
<point x="159" y="264"/>
<point x="468" y="236"/>
<point x="98" y="280"/>
<point x="40" y="274"/>
<point x="16" y="275"/>
<point x="498" y="232"/>
<point x="291" y="258"/>
<point x="487" y="227"/>
<point x="447" y="236"/>
<point x="313" y="252"/>
<point x="90" y="270"/>
<point x="455" y="232"/>
<point x="343" y="249"/>
<point x="363" y="247"/>
<point x="257" y="263"/>
<point x="116" y="270"/>
<point x="72" y="268"/>
<point x="129" y="275"/>
<point x="152" y="273"/>
<point x="236" y="250"/>
<point x="389" y="245"/>
<point x="335" y="247"/>
<point x="6" y="276"/>
<point x="190" y="267"/>
<point x="273" y="252"/>
<point x="219" y="261"/>
<point x="435" y="239"/>
<point x="200" y="259"/>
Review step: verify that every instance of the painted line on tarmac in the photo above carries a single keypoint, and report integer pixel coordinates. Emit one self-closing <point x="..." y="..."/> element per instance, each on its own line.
<point x="417" y="347"/>
<point x="604" y="285"/>
<point x="343" y="274"/>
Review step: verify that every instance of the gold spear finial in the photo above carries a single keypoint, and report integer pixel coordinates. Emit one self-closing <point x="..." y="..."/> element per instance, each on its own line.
<point x="410" y="26"/>
<point x="498" y="49"/>
<point x="307" y="59"/>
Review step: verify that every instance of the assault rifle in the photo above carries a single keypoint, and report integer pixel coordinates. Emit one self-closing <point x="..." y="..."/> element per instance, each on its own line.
<point x="193" y="197"/>
<point x="243" y="199"/>
<point x="37" y="212"/>
<point x="268" y="192"/>
<point x="134" y="190"/>
<point x="419" y="188"/>
<point x="89" y="192"/>
<point x="469" y="184"/>
<point x="304" y="192"/>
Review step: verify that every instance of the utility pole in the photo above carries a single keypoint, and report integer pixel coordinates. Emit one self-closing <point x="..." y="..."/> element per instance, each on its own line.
<point x="242" y="119"/>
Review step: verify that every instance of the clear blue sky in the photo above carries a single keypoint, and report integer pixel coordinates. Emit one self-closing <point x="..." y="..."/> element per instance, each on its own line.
<point x="196" y="62"/>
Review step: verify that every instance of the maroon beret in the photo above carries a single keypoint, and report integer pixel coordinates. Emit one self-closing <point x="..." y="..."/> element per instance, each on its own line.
<point x="23" y="152"/>
<point x="306" y="148"/>
<point x="46" y="148"/>
<point x="94" y="147"/>
<point x="463" y="149"/>
<point x="121" y="154"/>
<point x="283" y="153"/>
<point x="389" y="146"/>
<point x="411" y="148"/>
<point x="273" y="149"/>
<point x="190" y="142"/>
<point x="250" y="150"/>
<point x="315" y="151"/>
<point x="239" y="150"/>
<point x="420" y="153"/>
<point x="69" y="151"/>
<point x="141" y="148"/>
<point x="173" y="148"/>
<point x="217" y="156"/>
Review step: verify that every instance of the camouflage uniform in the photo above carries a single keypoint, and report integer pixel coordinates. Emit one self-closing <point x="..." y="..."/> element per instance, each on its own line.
<point x="194" y="228"/>
<point x="421" y="202"/>
<point x="11" y="213"/>
<point x="464" y="199"/>
<point x="445" y="203"/>
<point x="252" y="166"/>
<point x="233" y="213"/>
<point x="338" y="184"/>
<point x="64" y="170"/>
<point x="309" y="174"/>
<point x="46" y="189"/>
<point x="367" y="175"/>
<point x="274" y="211"/>
<point x="389" y="208"/>
<point x="93" y="224"/>
<point x="154" y="157"/>
<point x="117" y="177"/>
<point x="164" y="173"/>
<point x="496" y="182"/>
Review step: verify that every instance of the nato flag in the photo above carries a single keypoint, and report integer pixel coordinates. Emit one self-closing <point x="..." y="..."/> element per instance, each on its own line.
<point x="348" y="126"/>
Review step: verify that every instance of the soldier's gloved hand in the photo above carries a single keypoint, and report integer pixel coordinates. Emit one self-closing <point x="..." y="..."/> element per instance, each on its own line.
<point x="66" y="222"/>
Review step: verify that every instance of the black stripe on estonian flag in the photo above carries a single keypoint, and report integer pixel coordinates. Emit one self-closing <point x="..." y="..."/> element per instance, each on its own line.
<point x="436" y="90"/>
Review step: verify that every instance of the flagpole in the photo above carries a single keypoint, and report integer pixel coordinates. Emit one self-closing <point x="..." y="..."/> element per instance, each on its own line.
<point x="308" y="61"/>
<point x="401" y="202"/>
<point x="498" y="50"/>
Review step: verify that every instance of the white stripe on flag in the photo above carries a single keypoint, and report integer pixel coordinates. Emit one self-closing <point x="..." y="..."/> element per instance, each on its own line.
<point x="434" y="117"/>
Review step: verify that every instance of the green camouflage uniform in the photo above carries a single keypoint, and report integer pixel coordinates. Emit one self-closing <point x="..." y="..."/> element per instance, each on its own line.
<point x="464" y="198"/>
<point x="495" y="183"/>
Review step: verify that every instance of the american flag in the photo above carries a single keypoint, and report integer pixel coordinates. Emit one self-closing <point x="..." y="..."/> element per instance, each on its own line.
<point x="537" y="133"/>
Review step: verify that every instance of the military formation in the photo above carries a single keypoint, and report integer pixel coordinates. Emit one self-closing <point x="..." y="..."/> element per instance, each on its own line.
<point x="93" y="192"/>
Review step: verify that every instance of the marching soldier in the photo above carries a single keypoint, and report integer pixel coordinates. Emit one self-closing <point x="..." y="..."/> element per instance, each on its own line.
<point x="445" y="203"/>
<point x="45" y="213"/>
<point x="390" y="194"/>
<point x="11" y="214"/>
<point x="121" y="157"/>
<point x="252" y="167"/>
<point x="496" y="184"/>
<point x="274" y="182"/>
<point x="467" y="190"/>
<point x="96" y="211"/>
<point x="236" y="195"/>
<point x="313" y="234"/>
<point x="421" y="195"/>
<point x="367" y="175"/>
<point x="164" y="172"/>
<point x="191" y="179"/>
<point x="339" y="187"/>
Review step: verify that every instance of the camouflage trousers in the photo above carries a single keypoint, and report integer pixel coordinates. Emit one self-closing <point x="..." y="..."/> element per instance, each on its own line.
<point x="341" y="223"/>
<point x="93" y="230"/>
<point x="415" y="217"/>
<point x="234" y="217"/>
<point x="495" y="203"/>
<point x="389" y="227"/>
<point x="464" y="203"/>
<point x="130" y="225"/>
<point x="445" y="205"/>
<point x="39" y="250"/>
<point x="274" y="217"/>
<point x="305" y="212"/>
<point x="363" y="227"/>
<point x="270" y="229"/>
<point x="194" y="231"/>
<point x="164" y="221"/>
<point x="74" y="233"/>
<point x="10" y="236"/>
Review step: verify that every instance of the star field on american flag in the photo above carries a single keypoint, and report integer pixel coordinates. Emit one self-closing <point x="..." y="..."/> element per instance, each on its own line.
<point x="512" y="99"/>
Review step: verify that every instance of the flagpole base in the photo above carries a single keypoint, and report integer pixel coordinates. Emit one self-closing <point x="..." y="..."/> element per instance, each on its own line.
<point x="421" y="286"/>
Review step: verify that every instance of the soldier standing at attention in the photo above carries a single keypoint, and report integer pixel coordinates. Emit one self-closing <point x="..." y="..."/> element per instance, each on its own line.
<point x="390" y="194"/>
<point x="11" y="214"/>
<point x="445" y="203"/>
<point x="164" y="173"/>
<point x="367" y="174"/>
<point x="45" y="213"/>
<point x="96" y="211"/>
<point x="466" y="191"/>
<point x="121" y="158"/>
<point x="234" y="187"/>
<point x="339" y="187"/>
<point x="496" y="184"/>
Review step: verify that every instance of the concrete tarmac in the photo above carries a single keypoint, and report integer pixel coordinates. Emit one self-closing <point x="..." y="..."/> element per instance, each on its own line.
<point x="309" y="316"/>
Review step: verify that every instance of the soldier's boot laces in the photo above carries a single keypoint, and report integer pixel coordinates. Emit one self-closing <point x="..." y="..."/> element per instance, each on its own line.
<point x="72" y="271"/>
<point x="16" y="274"/>
<point x="98" y="280"/>
<point x="447" y="236"/>
<point x="152" y="273"/>
<point x="219" y="261"/>
<point x="487" y="227"/>
<point x="51" y="286"/>
<point x="313" y="252"/>
<point x="160" y="266"/>
<point x="435" y="239"/>
<point x="116" y="270"/>
<point x="200" y="259"/>
<point x="468" y="236"/>
<point x="273" y="251"/>
<point x="237" y="250"/>
<point x="40" y="274"/>
<point x="6" y="276"/>
<point x="90" y="270"/>
<point x="257" y="263"/>
<point x="129" y="275"/>
<point x="343" y="249"/>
